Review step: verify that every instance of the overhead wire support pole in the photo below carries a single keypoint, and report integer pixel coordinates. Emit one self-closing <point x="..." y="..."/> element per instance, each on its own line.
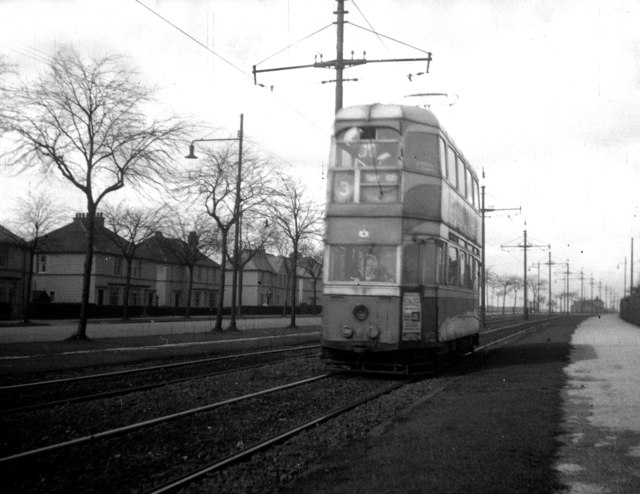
<point x="339" y="64"/>
<point x="525" y="245"/>
<point x="483" y="284"/>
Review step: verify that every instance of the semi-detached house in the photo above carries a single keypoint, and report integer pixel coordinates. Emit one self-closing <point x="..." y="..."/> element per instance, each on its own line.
<point x="14" y="266"/>
<point x="158" y="278"/>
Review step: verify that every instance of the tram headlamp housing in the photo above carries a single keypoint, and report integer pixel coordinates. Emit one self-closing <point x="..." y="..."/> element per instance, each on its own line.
<point x="373" y="332"/>
<point x="360" y="312"/>
<point x="347" y="331"/>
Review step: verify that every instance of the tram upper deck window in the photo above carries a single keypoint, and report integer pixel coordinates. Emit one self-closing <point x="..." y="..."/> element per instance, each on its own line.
<point x="451" y="166"/>
<point x="365" y="166"/>
<point x="364" y="147"/>
<point x="461" y="182"/>
<point x="421" y="151"/>
<point x="376" y="263"/>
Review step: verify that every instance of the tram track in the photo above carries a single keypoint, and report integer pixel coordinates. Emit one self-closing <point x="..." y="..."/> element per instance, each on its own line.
<point x="35" y="395"/>
<point x="207" y="444"/>
<point x="245" y="419"/>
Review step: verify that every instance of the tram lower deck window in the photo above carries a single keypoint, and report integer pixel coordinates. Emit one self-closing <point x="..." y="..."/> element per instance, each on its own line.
<point x="375" y="263"/>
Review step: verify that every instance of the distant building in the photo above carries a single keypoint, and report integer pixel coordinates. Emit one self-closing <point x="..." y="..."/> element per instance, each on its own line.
<point x="167" y="257"/>
<point x="14" y="266"/>
<point x="264" y="282"/>
<point x="157" y="277"/>
<point x="589" y="306"/>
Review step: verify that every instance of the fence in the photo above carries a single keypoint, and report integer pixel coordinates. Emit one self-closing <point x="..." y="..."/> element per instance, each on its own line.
<point x="630" y="309"/>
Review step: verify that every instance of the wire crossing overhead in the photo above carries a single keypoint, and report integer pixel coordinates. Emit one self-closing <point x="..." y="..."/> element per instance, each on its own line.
<point x="339" y="63"/>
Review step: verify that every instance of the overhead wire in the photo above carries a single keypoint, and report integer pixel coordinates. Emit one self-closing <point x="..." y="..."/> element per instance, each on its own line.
<point x="250" y="76"/>
<point x="295" y="43"/>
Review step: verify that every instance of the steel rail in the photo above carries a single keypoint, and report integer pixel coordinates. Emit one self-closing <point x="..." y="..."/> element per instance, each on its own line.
<point x="158" y="420"/>
<point x="151" y="368"/>
<point x="198" y="474"/>
<point x="195" y="475"/>
<point x="123" y="391"/>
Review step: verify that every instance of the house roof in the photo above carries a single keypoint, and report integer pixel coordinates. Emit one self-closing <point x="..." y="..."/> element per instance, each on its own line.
<point x="8" y="237"/>
<point x="72" y="238"/>
<point x="167" y="250"/>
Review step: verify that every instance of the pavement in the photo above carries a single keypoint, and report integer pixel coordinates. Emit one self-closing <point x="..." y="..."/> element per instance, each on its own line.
<point x="52" y="330"/>
<point x="45" y="345"/>
<point x="601" y="447"/>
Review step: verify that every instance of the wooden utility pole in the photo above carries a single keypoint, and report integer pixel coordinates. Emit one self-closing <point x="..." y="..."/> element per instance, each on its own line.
<point x="549" y="263"/>
<point x="525" y="245"/>
<point x="339" y="64"/>
<point x="483" y="271"/>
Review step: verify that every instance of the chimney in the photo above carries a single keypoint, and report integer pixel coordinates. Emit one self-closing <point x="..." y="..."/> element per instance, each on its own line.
<point x="193" y="239"/>
<point x="99" y="223"/>
<point x="99" y="220"/>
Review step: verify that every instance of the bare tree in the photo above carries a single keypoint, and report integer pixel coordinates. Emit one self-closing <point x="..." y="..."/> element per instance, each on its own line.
<point x="504" y="282"/>
<point x="86" y="121"/>
<point x="257" y="233"/>
<point x="311" y="261"/>
<point x="212" y="184"/>
<point x="131" y="226"/>
<point x="36" y="215"/>
<point x="299" y="219"/>
<point x="192" y="237"/>
<point x="5" y="70"/>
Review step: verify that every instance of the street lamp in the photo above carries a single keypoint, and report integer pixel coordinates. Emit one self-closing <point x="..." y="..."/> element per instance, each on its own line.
<point x="236" y="239"/>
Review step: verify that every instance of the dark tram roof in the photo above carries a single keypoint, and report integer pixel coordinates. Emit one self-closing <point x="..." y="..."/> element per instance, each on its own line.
<point x="378" y="111"/>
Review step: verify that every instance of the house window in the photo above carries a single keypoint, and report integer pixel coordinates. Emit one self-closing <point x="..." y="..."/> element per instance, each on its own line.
<point x="135" y="298"/>
<point x="4" y="256"/>
<point x="212" y="299"/>
<point x="100" y="296"/>
<point x="117" y="265"/>
<point x="198" y="299"/>
<point x="114" y="296"/>
<point x="41" y="265"/>
<point x="137" y="268"/>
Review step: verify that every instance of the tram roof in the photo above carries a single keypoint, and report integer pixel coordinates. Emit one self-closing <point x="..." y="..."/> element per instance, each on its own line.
<point x="378" y="111"/>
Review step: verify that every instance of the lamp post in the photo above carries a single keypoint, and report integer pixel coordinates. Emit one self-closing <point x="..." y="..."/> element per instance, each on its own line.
<point x="236" y="238"/>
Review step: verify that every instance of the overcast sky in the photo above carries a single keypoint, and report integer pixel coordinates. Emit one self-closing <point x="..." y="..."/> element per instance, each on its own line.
<point x="548" y="97"/>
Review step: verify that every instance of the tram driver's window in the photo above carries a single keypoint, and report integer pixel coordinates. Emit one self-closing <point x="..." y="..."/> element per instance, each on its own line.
<point x="376" y="263"/>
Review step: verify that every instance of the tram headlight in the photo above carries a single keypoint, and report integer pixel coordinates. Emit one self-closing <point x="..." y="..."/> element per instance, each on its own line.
<point x="347" y="331"/>
<point x="373" y="332"/>
<point x="360" y="312"/>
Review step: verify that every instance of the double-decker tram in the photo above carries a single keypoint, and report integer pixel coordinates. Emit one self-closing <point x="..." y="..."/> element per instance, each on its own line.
<point x="402" y="241"/>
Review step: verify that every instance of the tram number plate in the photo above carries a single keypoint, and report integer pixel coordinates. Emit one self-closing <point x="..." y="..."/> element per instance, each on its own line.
<point x="411" y="316"/>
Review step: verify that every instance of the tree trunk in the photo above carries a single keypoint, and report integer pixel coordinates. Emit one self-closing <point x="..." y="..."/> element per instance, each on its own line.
<point x="223" y="267"/>
<point x="81" y="333"/>
<point x="314" y="299"/>
<point x="187" y="312"/>
<point x="27" y="299"/>
<point x="127" y="289"/>
<point x="240" y="282"/>
<point x="294" y="279"/>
